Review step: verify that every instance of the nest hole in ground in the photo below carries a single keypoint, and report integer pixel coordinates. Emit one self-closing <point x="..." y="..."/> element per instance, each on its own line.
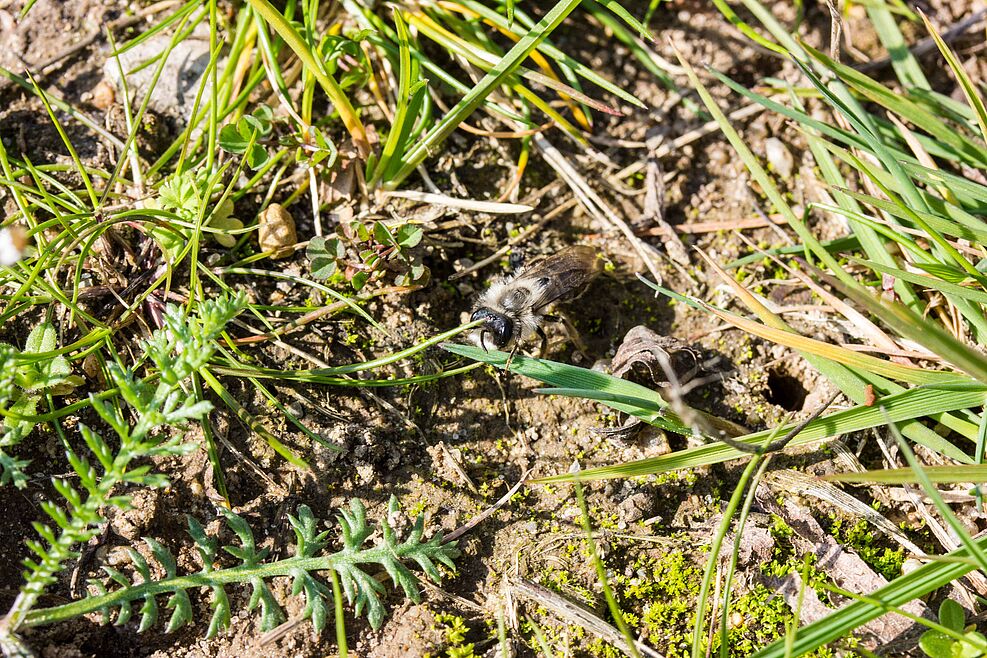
<point x="785" y="390"/>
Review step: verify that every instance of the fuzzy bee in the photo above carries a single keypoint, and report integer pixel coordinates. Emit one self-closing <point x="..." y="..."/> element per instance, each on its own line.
<point x="514" y="308"/>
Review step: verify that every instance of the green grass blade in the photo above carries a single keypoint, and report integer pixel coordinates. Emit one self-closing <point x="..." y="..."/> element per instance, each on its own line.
<point x="336" y="95"/>
<point x="497" y="75"/>
<point x="937" y="474"/>
<point x="624" y="15"/>
<point x="912" y="404"/>
<point x="924" y="332"/>
<point x="930" y="282"/>
<point x="966" y="84"/>
<point x="905" y="66"/>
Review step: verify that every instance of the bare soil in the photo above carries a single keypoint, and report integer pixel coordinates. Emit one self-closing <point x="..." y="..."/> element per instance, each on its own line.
<point x="402" y="442"/>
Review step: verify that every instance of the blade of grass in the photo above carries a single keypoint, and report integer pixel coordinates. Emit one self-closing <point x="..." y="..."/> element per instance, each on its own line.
<point x="716" y="545"/>
<point x="966" y="84"/>
<point x="313" y="65"/>
<point x="601" y="574"/>
<point x="905" y="66"/>
<point x="937" y="474"/>
<point x="247" y="419"/>
<point x="493" y="79"/>
<point x="930" y="282"/>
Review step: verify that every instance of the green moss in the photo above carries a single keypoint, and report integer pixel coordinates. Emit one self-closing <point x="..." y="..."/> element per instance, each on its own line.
<point x="566" y="583"/>
<point x="455" y="629"/>
<point x="658" y="603"/>
<point x="868" y="545"/>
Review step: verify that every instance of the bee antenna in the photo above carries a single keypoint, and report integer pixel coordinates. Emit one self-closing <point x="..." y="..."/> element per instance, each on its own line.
<point x="483" y="342"/>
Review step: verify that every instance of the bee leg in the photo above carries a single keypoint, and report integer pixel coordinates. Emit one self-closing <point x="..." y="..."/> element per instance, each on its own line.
<point x="574" y="336"/>
<point x="543" y="350"/>
<point x="510" y="358"/>
<point x="571" y="330"/>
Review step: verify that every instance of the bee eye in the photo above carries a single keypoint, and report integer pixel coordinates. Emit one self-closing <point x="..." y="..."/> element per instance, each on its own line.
<point x="503" y="329"/>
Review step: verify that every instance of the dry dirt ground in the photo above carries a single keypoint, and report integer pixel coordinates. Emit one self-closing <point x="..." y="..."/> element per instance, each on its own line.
<point x="406" y="442"/>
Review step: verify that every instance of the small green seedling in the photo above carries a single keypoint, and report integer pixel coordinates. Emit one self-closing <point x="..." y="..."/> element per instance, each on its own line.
<point x="182" y="195"/>
<point x="336" y="47"/>
<point x="243" y="136"/>
<point x="317" y="150"/>
<point x="378" y="249"/>
<point x="22" y="380"/>
<point x="937" y="644"/>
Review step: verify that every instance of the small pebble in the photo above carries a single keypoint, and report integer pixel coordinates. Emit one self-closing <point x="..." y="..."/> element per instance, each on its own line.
<point x="103" y="95"/>
<point x="296" y="410"/>
<point x="196" y="489"/>
<point x="90" y="366"/>
<point x="276" y="231"/>
<point x="779" y="156"/>
<point x="118" y="555"/>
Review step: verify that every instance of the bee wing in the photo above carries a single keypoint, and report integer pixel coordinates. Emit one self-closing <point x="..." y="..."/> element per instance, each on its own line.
<point x="558" y="275"/>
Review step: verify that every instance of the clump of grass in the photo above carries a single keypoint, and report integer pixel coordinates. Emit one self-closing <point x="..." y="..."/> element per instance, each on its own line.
<point x="105" y="249"/>
<point x="902" y="166"/>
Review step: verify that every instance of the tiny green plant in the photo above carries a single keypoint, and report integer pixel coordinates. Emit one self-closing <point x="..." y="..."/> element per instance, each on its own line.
<point x="363" y="252"/>
<point x="181" y="197"/>
<point x="937" y="644"/>
<point x="253" y="568"/>
<point x="24" y="376"/>
<point x="156" y="401"/>
<point x="242" y="137"/>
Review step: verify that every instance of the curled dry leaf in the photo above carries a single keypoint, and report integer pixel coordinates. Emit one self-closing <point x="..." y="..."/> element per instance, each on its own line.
<point x="277" y="231"/>
<point x="645" y="356"/>
<point x="644" y="350"/>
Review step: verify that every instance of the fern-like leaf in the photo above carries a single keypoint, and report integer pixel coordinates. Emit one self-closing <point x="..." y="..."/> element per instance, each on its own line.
<point x="312" y="554"/>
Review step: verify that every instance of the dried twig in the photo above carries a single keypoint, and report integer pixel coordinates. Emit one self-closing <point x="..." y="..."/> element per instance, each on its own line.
<point x="571" y="612"/>
<point x="479" y="518"/>
<point x="781" y="443"/>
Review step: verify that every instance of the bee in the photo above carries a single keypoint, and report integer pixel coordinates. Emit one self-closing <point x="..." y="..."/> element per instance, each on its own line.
<point x="513" y="308"/>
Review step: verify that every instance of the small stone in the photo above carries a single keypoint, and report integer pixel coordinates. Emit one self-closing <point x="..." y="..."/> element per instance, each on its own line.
<point x="118" y="556"/>
<point x="635" y="508"/>
<point x="90" y="366"/>
<point x="365" y="472"/>
<point x="103" y="95"/>
<point x="276" y="231"/>
<point x="909" y="565"/>
<point x="779" y="157"/>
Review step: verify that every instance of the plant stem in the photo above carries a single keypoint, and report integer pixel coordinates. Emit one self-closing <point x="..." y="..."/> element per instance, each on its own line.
<point x="240" y="574"/>
<point x="714" y="555"/>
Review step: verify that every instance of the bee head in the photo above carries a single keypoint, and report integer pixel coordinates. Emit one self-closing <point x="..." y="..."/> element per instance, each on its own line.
<point x="499" y="327"/>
